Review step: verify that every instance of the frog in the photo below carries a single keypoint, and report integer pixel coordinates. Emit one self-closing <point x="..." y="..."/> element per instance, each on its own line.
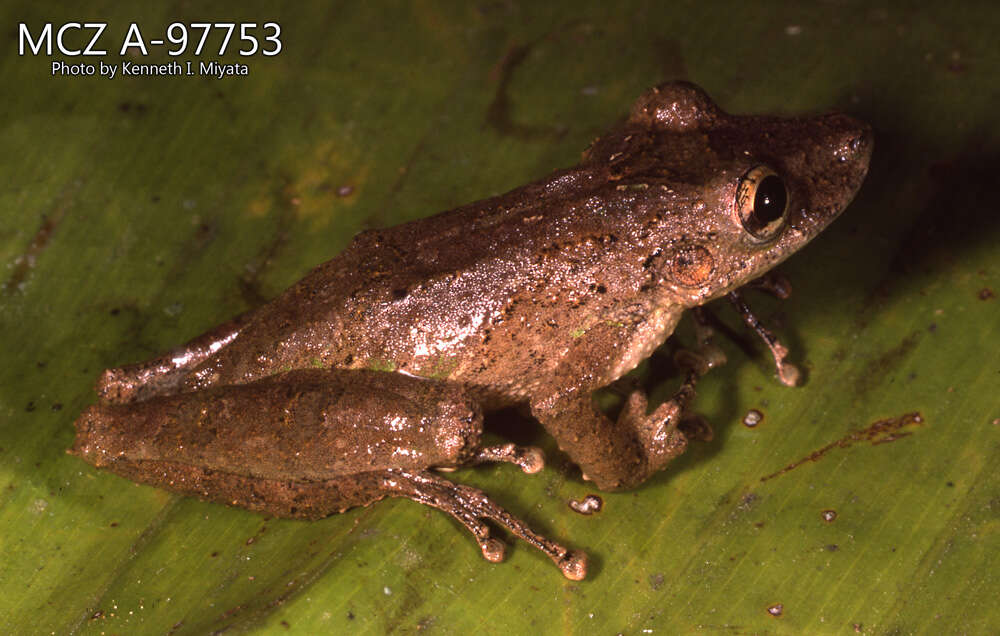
<point x="369" y="377"/>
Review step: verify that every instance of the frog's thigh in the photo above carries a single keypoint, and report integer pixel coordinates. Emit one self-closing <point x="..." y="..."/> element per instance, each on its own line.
<point x="163" y="375"/>
<point x="302" y="425"/>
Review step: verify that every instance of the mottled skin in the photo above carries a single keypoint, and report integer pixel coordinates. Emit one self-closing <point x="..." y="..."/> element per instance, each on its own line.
<point x="540" y="296"/>
<point x="303" y="423"/>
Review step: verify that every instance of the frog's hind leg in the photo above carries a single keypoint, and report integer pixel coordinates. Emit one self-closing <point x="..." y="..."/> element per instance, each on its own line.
<point x="164" y="375"/>
<point x="471" y="507"/>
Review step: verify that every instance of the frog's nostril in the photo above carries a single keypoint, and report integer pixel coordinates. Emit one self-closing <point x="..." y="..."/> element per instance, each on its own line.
<point x="854" y="146"/>
<point x="861" y="143"/>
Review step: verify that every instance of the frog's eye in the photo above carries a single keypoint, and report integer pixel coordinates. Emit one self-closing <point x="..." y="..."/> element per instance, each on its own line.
<point x="761" y="202"/>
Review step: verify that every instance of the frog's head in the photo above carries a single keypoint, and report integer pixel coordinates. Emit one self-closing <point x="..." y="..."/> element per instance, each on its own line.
<point x="748" y="191"/>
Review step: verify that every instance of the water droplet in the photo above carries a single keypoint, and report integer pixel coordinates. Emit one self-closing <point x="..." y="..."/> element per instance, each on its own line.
<point x="753" y="418"/>
<point x="587" y="506"/>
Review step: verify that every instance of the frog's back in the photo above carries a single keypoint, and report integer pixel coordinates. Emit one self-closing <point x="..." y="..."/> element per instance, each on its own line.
<point x="446" y="295"/>
<point x="599" y="259"/>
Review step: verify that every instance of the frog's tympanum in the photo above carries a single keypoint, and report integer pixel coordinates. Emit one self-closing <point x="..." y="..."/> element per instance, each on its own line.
<point x="373" y="371"/>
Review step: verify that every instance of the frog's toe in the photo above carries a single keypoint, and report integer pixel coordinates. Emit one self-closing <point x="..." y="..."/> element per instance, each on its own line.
<point x="493" y="549"/>
<point x="788" y="373"/>
<point x="574" y="565"/>
<point x="634" y="409"/>
<point x="657" y="432"/>
<point x="665" y="440"/>
<point x="531" y="459"/>
<point x="472" y="507"/>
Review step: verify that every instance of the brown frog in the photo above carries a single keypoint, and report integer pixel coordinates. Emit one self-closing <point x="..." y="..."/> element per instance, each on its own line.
<point x="375" y="368"/>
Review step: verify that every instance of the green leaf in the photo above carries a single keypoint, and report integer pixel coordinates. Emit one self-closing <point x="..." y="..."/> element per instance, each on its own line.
<point x="139" y="211"/>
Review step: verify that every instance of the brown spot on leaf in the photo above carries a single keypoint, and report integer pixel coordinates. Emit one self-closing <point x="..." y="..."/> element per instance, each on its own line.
<point x="877" y="370"/>
<point x="881" y="432"/>
<point x="753" y="418"/>
<point x="656" y="581"/>
<point x="137" y="108"/>
<point x="587" y="506"/>
<point x="24" y="263"/>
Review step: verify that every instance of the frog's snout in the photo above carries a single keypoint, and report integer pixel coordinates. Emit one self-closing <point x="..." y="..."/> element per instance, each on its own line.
<point x="857" y="144"/>
<point x="850" y="139"/>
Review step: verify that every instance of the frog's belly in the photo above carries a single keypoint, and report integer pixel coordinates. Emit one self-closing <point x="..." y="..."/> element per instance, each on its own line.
<point x="646" y="338"/>
<point x="513" y="368"/>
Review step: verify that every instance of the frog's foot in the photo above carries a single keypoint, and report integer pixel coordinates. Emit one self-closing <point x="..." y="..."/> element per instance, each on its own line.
<point x="659" y="435"/>
<point x="788" y="373"/>
<point x="471" y="507"/>
<point x="664" y="433"/>
<point x="133" y="383"/>
<point x="164" y="375"/>
<point x="529" y="458"/>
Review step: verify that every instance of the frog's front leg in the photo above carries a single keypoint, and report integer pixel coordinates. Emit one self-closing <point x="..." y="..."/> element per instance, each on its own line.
<point x="788" y="373"/>
<point x="624" y="453"/>
<point x="620" y="454"/>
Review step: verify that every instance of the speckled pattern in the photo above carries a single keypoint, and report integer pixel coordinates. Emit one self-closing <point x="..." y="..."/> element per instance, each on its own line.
<point x="535" y="297"/>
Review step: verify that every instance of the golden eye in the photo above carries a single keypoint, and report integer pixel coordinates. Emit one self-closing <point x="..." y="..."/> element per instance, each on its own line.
<point x="762" y="203"/>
